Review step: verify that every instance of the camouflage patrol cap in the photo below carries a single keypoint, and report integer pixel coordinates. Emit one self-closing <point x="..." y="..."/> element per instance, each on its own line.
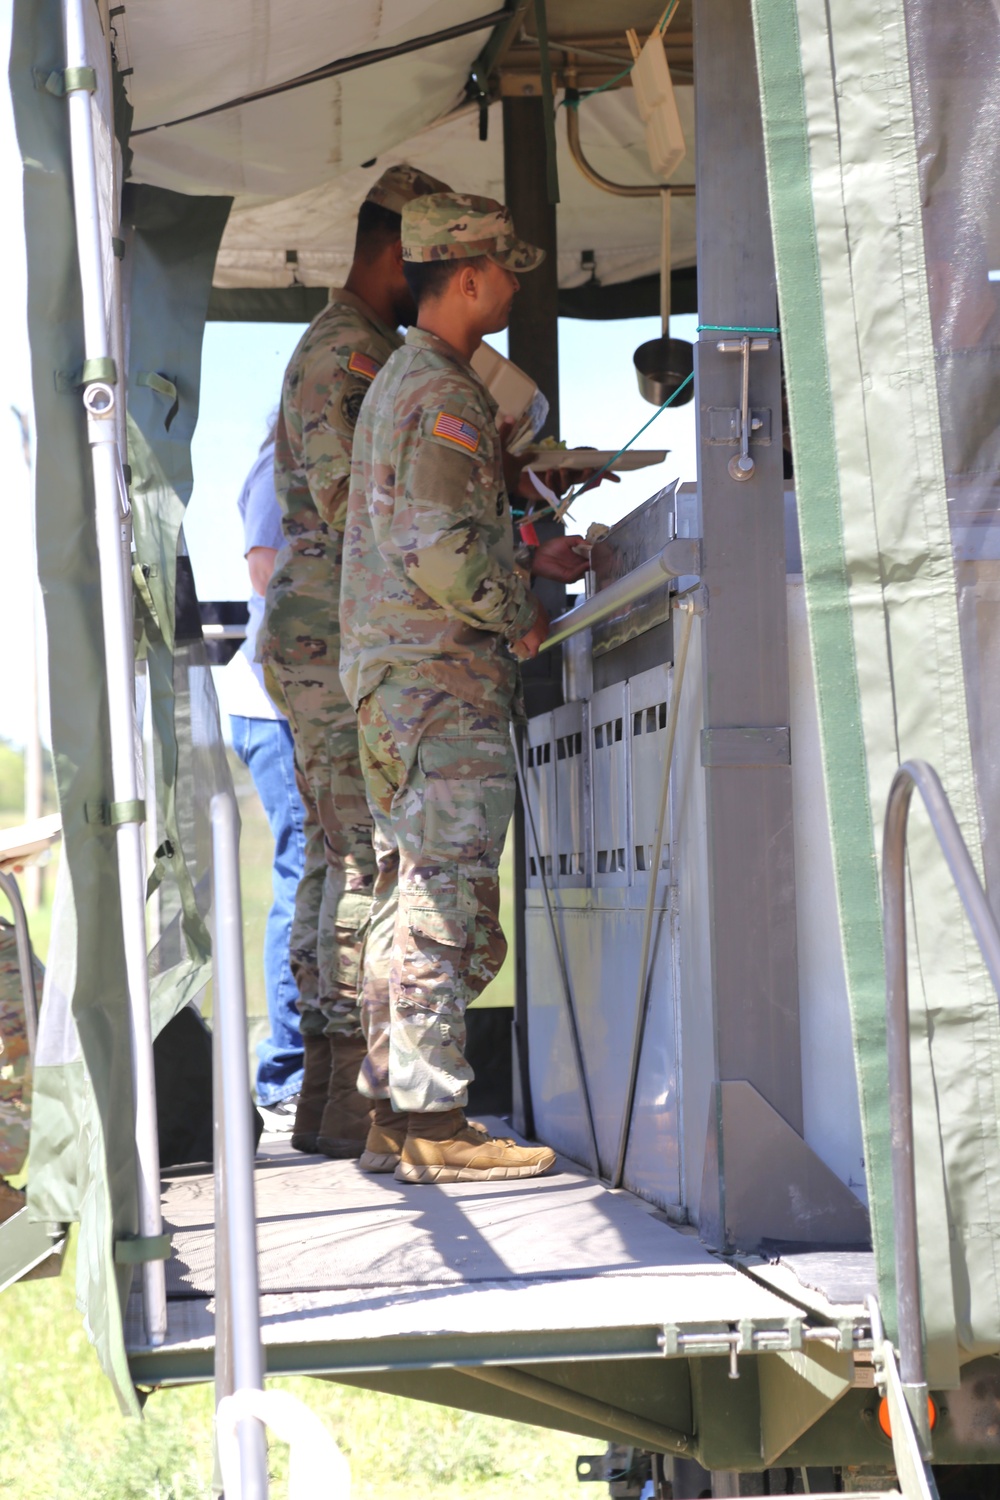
<point x="397" y="186"/>
<point x="453" y="226"/>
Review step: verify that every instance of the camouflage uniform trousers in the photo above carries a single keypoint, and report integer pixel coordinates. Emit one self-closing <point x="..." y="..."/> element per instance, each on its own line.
<point x="440" y="779"/>
<point x="15" y="1061"/>
<point x="331" y="912"/>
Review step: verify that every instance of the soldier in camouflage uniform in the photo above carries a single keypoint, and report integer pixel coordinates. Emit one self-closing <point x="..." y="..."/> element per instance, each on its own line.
<point x="430" y="604"/>
<point x="299" y="643"/>
<point x="15" y="1071"/>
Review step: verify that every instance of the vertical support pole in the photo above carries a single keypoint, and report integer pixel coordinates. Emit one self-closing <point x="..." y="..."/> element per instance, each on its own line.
<point x="234" y="1187"/>
<point x="533" y="343"/>
<point x="99" y="401"/>
<point x="745" y="631"/>
<point x="533" y="335"/>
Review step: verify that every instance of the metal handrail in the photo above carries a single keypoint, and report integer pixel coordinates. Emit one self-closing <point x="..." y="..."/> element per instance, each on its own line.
<point x="25" y="959"/>
<point x="680" y="558"/>
<point x="917" y="773"/>
<point x="239" y="1356"/>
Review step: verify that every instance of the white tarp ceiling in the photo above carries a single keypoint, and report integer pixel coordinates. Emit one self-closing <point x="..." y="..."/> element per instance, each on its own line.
<point x="623" y="233"/>
<point x="292" y="161"/>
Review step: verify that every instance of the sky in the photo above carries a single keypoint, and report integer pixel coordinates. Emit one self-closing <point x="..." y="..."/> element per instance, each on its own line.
<point x="241" y="382"/>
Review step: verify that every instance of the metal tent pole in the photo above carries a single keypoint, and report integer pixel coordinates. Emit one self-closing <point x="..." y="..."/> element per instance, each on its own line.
<point x="241" y="1365"/>
<point x="111" y="511"/>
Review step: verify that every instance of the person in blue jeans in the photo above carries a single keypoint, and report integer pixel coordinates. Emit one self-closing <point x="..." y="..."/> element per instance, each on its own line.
<point x="263" y="742"/>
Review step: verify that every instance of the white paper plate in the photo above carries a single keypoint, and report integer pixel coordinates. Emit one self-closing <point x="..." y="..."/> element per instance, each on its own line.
<point x="23" y="845"/>
<point x="593" y="458"/>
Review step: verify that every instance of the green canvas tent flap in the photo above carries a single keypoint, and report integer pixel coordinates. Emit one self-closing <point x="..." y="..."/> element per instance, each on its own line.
<point x="83" y="1163"/>
<point x="845" y="195"/>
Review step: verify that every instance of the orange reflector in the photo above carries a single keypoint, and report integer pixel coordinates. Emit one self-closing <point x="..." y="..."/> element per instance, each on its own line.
<point x="886" y="1425"/>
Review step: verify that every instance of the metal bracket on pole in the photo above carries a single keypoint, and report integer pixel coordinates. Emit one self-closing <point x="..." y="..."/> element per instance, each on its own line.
<point x="742" y="466"/>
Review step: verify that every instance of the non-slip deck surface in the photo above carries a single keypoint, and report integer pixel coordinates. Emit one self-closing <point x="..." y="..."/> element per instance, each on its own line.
<point x="325" y="1225"/>
<point x="361" y="1272"/>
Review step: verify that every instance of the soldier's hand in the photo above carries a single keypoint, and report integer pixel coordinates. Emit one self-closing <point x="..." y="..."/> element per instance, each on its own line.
<point x="528" y="646"/>
<point x="564" y="559"/>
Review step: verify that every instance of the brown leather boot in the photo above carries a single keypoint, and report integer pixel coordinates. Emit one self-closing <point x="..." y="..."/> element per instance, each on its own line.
<point x="317" y="1067"/>
<point x="444" y="1147"/>
<point x="385" y="1138"/>
<point x="347" y="1115"/>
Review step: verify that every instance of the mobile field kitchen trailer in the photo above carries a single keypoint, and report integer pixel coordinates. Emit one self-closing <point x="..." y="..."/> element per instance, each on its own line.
<point x="757" y="1018"/>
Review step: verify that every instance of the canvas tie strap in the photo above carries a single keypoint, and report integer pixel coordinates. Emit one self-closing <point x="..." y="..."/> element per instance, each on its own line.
<point x="138" y="1249"/>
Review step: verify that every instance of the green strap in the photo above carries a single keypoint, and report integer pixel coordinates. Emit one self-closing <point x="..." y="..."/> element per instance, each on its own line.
<point x="103" y="369"/>
<point x="138" y="1249"/>
<point x="113" y="814"/>
<point x="163" y="386"/>
<point x="133" y="811"/>
<point x="158" y="383"/>
<point x="65" y="81"/>
<point x="76" y="80"/>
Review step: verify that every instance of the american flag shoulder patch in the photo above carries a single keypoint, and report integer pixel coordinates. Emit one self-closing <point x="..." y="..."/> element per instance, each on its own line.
<point x="456" y="430"/>
<point x="363" y="364"/>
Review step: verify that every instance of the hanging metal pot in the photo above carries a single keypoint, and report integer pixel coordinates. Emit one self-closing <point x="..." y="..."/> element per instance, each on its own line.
<point x="662" y="365"/>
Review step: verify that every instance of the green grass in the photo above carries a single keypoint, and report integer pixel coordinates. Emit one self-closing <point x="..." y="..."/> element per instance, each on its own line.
<point x="62" y="1438"/>
<point x="61" y="1434"/>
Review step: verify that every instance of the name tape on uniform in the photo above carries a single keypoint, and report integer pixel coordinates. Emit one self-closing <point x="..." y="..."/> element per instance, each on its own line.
<point x="363" y="364"/>
<point x="456" y="430"/>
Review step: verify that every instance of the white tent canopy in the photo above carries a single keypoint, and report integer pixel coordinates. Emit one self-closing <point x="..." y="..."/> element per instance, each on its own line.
<point x="293" y="161"/>
<point x="318" y="225"/>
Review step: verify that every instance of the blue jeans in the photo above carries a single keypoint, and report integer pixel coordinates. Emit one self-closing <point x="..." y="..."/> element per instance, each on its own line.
<point x="265" y="748"/>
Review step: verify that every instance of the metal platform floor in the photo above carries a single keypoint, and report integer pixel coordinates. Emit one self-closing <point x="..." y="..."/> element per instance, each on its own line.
<point x="361" y="1274"/>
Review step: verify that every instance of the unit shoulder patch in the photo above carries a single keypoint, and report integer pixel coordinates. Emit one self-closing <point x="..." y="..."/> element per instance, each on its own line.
<point x="363" y="365"/>
<point x="457" y="430"/>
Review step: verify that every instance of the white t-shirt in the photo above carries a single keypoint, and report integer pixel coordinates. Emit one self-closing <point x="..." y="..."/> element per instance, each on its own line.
<point x="243" y="687"/>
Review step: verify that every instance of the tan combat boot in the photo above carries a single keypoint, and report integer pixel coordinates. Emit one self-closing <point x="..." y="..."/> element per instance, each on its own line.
<point x="385" y="1139"/>
<point x="445" y="1147"/>
<point x="317" y="1067"/>
<point x="347" y="1115"/>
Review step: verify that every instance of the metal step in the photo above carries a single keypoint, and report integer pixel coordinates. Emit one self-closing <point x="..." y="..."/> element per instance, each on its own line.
<point x="25" y="1246"/>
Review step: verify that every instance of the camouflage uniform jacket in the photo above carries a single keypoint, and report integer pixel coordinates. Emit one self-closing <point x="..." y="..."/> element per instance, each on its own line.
<point x="327" y="378"/>
<point x="428" y="580"/>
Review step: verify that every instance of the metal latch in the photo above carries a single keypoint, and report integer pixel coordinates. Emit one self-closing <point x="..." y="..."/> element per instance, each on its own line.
<point x="741" y="465"/>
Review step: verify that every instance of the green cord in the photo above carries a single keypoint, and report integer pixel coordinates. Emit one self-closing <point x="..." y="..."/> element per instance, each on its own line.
<point x="726" y="328"/>
<point x="668" y="17"/>
<point x="565" y="505"/>
<point x="575" y="103"/>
